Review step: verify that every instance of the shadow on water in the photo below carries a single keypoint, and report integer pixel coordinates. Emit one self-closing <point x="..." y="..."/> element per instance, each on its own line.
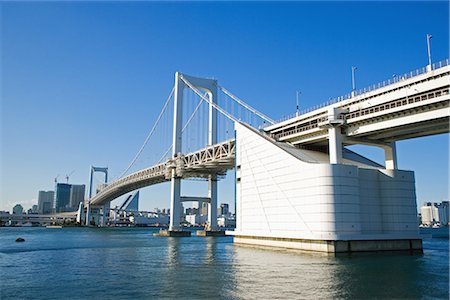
<point x="280" y="275"/>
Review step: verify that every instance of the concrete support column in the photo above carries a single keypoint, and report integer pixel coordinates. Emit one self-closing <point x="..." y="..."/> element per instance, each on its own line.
<point x="212" y="180"/>
<point x="103" y="217"/>
<point x="175" y="204"/>
<point x="88" y="212"/>
<point x="88" y="206"/>
<point x="335" y="144"/>
<point x="390" y="156"/>
<point x="105" y="214"/>
<point x="175" y="190"/>
<point x="212" y="205"/>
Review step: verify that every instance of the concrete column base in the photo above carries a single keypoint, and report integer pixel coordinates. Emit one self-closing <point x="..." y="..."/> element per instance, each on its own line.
<point x="173" y="233"/>
<point x="210" y="233"/>
<point x="332" y="247"/>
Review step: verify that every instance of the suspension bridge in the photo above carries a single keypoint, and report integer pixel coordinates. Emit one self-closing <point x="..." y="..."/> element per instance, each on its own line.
<point x="297" y="185"/>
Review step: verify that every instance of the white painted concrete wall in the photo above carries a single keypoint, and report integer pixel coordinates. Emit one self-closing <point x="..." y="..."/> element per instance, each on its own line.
<point x="279" y="195"/>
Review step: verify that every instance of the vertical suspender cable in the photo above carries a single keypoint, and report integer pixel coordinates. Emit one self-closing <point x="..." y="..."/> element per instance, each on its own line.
<point x="150" y="134"/>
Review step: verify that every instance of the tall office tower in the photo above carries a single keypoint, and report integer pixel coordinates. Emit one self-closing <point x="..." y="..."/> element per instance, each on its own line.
<point x="62" y="199"/>
<point x="224" y="209"/>
<point x="204" y="209"/>
<point x="443" y="213"/>
<point x="77" y="192"/>
<point x="45" y="202"/>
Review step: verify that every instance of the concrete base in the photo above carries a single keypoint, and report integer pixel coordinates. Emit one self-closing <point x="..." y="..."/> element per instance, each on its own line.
<point x="172" y="233"/>
<point x="210" y="233"/>
<point x="333" y="247"/>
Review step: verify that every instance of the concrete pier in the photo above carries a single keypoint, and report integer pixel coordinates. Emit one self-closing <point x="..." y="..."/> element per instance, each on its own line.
<point x="173" y="233"/>
<point x="210" y="233"/>
<point x="332" y="246"/>
<point x="297" y="199"/>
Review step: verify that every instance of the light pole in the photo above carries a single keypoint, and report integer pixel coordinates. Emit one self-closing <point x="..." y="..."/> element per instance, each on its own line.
<point x="298" y="93"/>
<point x="429" y="36"/>
<point x="353" y="80"/>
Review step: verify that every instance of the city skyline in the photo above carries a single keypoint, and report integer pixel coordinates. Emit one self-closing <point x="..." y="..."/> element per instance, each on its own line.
<point x="71" y="101"/>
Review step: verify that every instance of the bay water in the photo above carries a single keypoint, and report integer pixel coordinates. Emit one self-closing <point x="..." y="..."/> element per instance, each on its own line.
<point x="131" y="263"/>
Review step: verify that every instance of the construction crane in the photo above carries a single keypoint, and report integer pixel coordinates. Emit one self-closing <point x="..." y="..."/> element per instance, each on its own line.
<point x="56" y="178"/>
<point x="67" y="176"/>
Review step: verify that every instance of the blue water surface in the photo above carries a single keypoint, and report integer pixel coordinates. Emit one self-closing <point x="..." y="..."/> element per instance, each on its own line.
<point x="130" y="263"/>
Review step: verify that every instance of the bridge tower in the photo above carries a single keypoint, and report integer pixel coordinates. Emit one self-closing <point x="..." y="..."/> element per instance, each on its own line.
<point x="210" y="87"/>
<point x="105" y="207"/>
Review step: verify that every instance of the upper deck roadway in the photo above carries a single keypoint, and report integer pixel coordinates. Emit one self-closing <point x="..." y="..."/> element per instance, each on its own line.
<point x="413" y="107"/>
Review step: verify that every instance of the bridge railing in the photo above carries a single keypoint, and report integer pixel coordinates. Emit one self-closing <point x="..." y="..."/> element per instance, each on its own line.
<point x="368" y="111"/>
<point x="189" y="161"/>
<point x="394" y="79"/>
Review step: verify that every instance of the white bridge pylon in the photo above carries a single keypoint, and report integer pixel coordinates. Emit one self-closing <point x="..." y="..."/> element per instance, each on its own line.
<point x="210" y="162"/>
<point x="210" y="86"/>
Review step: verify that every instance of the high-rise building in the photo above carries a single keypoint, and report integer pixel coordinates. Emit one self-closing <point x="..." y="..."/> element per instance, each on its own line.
<point x="223" y="209"/>
<point x="45" y="201"/>
<point x="34" y="209"/>
<point x="443" y="211"/>
<point x="62" y="199"/>
<point x="76" y="195"/>
<point x="204" y="209"/>
<point x="18" y="209"/>
<point x="191" y="211"/>
<point x="435" y="213"/>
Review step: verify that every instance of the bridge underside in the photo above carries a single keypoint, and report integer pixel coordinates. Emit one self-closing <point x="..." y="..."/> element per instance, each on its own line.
<point x="408" y="123"/>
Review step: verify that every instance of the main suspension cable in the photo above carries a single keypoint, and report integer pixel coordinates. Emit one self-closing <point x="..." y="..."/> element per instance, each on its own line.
<point x="149" y="135"/>
<point x="218" y="108"/>
<point x="248" y="107"/>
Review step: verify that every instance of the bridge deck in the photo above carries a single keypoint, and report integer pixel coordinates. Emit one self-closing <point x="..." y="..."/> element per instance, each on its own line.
<point x="212" y="160"/>
<point x="410" y="108"/>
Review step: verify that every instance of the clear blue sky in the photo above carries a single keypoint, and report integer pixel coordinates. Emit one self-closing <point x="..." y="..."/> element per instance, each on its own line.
<point x="83" y="82"/>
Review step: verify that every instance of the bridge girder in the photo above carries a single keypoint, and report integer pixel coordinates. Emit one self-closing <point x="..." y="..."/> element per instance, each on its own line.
<point x="213" y="160"/>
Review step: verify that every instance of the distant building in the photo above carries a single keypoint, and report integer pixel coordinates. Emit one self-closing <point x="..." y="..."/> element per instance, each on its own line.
<point x="34" y="209"/>
<point x="45" y="202"/>
<point x="223" y="210"/>
<point x="77" y="193"/>
<point x="204" y="209"/>
<point x="435" y="213"/>
<point x="444" y="212"/>
<point x="148" y="219"/>
<point x="62" y="199"/>
<point x="196" y="219"/>
<point x="68" y="197"/>
<point x="18" y="209"/>
<point x="191" y="211"/>
<point x="4" y="217"/>
<point x="226" y="221"/>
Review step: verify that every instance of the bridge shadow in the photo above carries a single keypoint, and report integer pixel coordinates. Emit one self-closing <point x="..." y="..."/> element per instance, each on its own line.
<point x="286" y="275"/>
